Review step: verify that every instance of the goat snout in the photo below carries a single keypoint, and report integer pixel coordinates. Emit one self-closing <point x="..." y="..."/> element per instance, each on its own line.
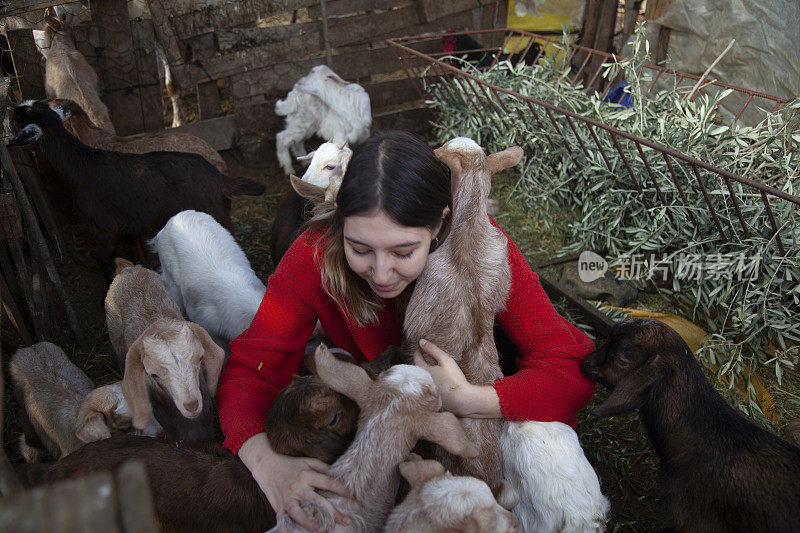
<point x="192" y="408"/>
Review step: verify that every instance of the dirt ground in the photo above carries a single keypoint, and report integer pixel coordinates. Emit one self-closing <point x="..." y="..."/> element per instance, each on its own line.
<point x="618" y="448"/>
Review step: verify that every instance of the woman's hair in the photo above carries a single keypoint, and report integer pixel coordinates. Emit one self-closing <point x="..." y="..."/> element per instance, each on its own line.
<point x="394" y="172"/>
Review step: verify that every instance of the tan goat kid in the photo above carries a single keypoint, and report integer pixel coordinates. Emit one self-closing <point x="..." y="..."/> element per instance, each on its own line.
<point x="161" y="353"/>
<point x="472" y="263"/>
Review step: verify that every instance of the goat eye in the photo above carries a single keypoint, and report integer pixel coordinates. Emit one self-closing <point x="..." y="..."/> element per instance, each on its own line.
<point x="621" y="361"/>
<point x="334" y="420"/>
<point x="329" y="167"/>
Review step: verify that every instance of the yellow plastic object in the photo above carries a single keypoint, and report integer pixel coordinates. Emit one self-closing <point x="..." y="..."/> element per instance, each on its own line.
<point x="546" y="22"/>
<point x="694" y="336"/>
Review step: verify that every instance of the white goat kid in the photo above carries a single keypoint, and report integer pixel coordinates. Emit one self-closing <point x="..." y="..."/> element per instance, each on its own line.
<point x="207" y="274"/>
<point x="323" y="177"/>
<point x="439" y="501"/>
<point x="321" y="103"/>
<point x="558" y="488"/>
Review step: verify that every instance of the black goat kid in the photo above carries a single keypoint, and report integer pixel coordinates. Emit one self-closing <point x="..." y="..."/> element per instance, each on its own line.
<point x="126" y="195"/>
<point x="719" y="470"/>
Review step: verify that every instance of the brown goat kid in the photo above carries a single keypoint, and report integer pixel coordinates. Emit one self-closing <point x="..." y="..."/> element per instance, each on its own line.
<point x="79" y="124"/>
<point x="719" y="470"/>
<point x="472" y="263"/>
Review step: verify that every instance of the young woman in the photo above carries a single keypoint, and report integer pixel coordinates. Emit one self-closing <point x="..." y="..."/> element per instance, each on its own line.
<point x="354" y="270"/>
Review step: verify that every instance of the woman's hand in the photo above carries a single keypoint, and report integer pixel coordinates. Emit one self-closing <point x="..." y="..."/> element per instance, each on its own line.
<point x="286" y="481"/>
<point x="458" y="395"/>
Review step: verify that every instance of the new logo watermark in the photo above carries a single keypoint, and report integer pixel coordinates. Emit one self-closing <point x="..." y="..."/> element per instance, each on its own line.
<point x="683" y="266"/>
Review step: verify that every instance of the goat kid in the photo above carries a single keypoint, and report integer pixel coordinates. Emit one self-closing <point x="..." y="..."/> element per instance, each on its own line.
<point x="558" y="488"/>
<point x="68" y="75"/>
<point x="321" y="103"/>
<point x="162" y="355"/>
<point x="440" y="502"/>
<point x="208" y="274"/>
<point x="320" y="182"/>
<point x="398" y="408"/>
<point x="50" y="389"/>
<point x="78" y="123"/>
<point x="104" y="412"/>
<point x="719" y="471"/>
<point x="471" y="262"/>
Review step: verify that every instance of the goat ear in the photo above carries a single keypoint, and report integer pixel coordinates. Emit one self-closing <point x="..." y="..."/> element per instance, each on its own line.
<point x="631" y="391"/>
<point x="419" y="471"/>
<point x="63" y="108"/>
<point x="92" y="428"/>
<point x="308" y="157"/>
<point x="445" y="430"/>
<point x="91" y="422"/>
<point x="508" y="158"/>
<point x="307" y="190"/>
<point x="54" y="23"/>
<point x="27" y="135"/>
<point x="451" y="159"/>
<point x="213" y="357"/>
<point x="121" y="264"/>
<point x="134" y="388"/>
<point x="345" y="378"/>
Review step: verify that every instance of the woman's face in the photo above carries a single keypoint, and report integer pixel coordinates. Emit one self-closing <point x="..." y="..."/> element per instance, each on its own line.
<point x="385" y="254"/>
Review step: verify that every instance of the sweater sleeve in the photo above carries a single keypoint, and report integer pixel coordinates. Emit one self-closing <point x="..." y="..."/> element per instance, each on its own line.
<point x="549" y="385"/>
<point x="264" y="357"/>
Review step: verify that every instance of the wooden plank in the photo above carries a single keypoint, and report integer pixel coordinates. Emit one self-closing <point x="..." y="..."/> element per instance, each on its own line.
<point x="267" y="55"/>
<point x="85" y="504"/>
<point x="338" y="8"/>
<point x="165" y="33"/>
<point x="390" y="93"/>
<point x="299" y="38"/>
<point x="415" y="119"/>
<point x="118" y="69"/>
<point x="137" y="514"/>
<point x="208" y="99"/>
<point x="430" y="10"/>
<point x="256" y="121"/>
<point x="190" y="23"/>
<point x="361" y="63"/>
<point x="147" y="67"/>
<point x="30" y="74"/>
<point x="219" y="132"/>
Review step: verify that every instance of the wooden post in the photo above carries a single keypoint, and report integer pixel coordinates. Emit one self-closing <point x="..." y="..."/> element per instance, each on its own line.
<point x="125" y="76"/>
<point x="655" y="9"/>
<point x="27" y="62"/>
<point x="208" y="99"/>
<point x="152" y="102"/>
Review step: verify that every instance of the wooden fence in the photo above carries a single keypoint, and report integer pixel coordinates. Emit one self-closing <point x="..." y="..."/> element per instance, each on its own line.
<point x="239" y="57"/>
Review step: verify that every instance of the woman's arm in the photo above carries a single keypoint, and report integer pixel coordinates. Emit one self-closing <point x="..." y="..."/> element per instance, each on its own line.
<point x="549" y="385"/>
<point x="287" y="481"/>
<point x="458" y="395"/>
<point x="264" y="357"/>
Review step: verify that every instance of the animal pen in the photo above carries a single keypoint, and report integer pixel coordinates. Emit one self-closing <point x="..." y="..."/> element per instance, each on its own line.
<point x="234" y="59"/>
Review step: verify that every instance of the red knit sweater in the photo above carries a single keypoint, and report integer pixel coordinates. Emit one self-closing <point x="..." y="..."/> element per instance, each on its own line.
<point x="549" y="385"/>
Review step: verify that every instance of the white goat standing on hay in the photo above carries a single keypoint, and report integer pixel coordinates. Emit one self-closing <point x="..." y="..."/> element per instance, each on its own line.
<point x="321" y="103"/>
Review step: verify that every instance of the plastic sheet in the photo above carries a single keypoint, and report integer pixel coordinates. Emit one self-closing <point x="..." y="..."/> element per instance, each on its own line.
<point x="764" y="58"/>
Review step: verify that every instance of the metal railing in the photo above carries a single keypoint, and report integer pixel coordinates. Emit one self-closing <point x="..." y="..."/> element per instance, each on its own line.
<point x="580" y="134"/>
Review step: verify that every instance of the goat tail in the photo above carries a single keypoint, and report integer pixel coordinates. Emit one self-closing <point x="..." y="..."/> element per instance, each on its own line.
<point x="244" y="186"/>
